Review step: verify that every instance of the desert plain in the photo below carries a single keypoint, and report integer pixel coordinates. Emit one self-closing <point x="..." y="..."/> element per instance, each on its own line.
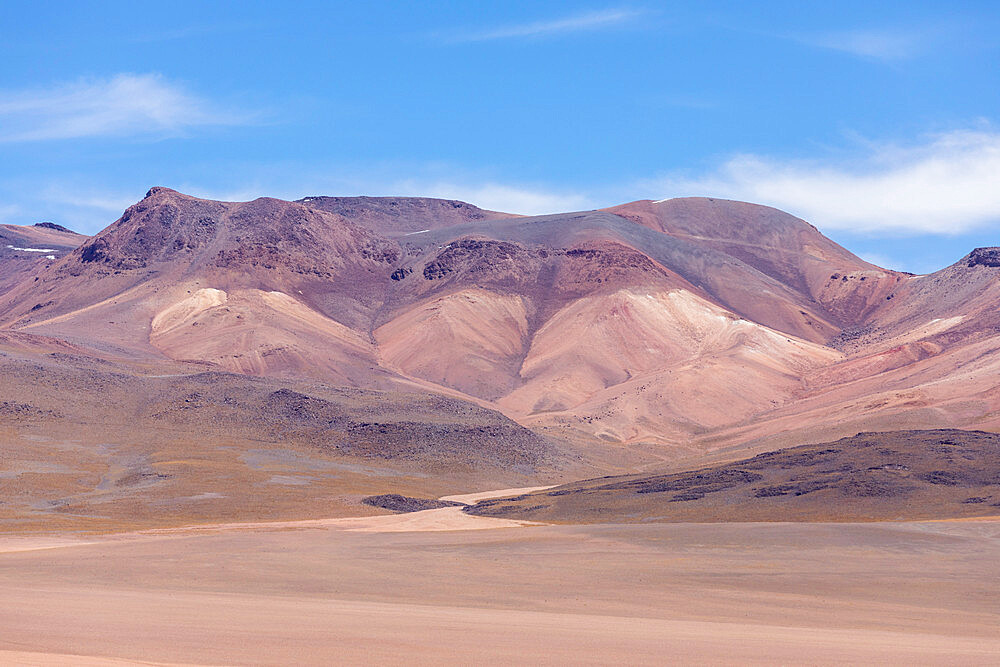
<point x="361" y="592"/>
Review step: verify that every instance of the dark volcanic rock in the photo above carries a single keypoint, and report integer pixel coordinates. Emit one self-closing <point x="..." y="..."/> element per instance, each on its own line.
<point x="891" y="475"/>
<point x="984" y="257"/>
<point x="401" y="273"/>
<point x="14" y="410"/>
<point x="293" y="408"/>
<point x="168" y="228"/>
<point x="52" y="225"/>
<point x="476" y="257"/>
<point x="505" y="443"/>
<point x="395" y="502"/>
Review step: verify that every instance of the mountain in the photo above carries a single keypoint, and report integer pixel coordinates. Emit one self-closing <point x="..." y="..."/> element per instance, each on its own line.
<point x="283" y="288"/>
<point x="645" y="322"/>
<point x="174" y="264"/>
<point x="24" y="248"/>
<point x="839" y="289"/>
<point x="402" y="216"/>
<point x="652" y="333"/>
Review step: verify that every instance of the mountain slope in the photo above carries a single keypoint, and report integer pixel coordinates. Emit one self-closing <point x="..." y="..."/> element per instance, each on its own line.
<point x="775" y="243"/>
<point x="688" y="324"/>
<point x="796" y="281"/>
<point x="394" y="216"/>
<point x="108" y="445"/>
<point x="307" y="268"/>
<point x="898" y="475"/>
<point x="26" y="249"/>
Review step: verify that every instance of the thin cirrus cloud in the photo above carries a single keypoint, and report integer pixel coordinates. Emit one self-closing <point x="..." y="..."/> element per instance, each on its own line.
<point x="81" y="207"/>
<point x="524" y="200"/>
<point x="884" y="44"/>
<point x="879" y="259"/>
<point x="88" y="199"/>
<point x="123" y="105"/>
<point x="946" y="185"/>
<point x="594" y="20"/>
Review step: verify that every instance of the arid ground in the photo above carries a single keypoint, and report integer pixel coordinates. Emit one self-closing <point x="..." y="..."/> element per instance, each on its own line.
<point x="907" y="593"/>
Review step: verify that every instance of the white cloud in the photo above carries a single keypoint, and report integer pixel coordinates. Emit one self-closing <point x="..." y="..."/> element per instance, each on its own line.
<point x="124" y="105"/>
<point x="950" y="184"/>
<point x="499" y="197"/>
<point x="889" y="44"/>
<point x="575" y="23"/>
<point x="96" y="200"/>
<point x="80" y="206"/>
<point x="878" y="259"/>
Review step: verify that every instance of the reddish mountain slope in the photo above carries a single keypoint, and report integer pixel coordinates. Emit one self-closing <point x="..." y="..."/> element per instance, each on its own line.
<point x="694" y="323"/>
<point x="842" y="288"/>
<point x="394" y="216"/>
<point x="26" y="249"/>
<point x="291" y="269"/>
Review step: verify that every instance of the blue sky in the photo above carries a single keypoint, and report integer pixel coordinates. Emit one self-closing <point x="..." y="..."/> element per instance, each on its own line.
<point x="877" y="122"/>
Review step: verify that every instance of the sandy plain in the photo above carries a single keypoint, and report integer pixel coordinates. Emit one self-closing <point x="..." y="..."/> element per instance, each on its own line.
<point x="325" y="592"/>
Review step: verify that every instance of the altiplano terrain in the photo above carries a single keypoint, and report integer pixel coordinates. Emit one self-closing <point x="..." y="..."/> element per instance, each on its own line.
<point x="915" y="593"/>
<point x="420" y="346"/>
<point x="354" y="429"/>
<point x="499" y="333"/>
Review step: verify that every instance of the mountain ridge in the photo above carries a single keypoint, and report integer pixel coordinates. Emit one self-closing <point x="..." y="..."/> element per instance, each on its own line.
<point x="625" y="324"/>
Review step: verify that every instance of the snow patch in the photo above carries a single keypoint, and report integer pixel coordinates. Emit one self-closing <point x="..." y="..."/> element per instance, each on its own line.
<point x="32" y="249"/>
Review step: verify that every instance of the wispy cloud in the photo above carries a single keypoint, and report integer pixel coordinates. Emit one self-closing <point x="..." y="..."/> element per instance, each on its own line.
<point x="879" y="259"/>
<point x="124" y="105"/>
<point x="193" y="32"/>
<point x="884" y="44"/>
<point x="525" y="200"/>
<point x="97" y="201"/>
<point x="594" y="20"/>
<point x="946" y="184"/>
<point x="83" y="208"/>
<point x="509" y="196"/>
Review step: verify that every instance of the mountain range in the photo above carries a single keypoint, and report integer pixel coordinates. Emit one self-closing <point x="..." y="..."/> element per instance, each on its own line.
<point x="455" y="343"/>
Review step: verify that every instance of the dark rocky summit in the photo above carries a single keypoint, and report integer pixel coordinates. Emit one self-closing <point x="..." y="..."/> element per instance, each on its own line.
<point x="984" y="257"/>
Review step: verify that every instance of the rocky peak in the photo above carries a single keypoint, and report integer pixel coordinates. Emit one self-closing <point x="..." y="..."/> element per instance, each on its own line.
<point x="397" y="215"/>
<point x="159" y="190"/>
<point x="170" y="229"/>
<point x="53" y="226"/>
<point x="984" y="257"/>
